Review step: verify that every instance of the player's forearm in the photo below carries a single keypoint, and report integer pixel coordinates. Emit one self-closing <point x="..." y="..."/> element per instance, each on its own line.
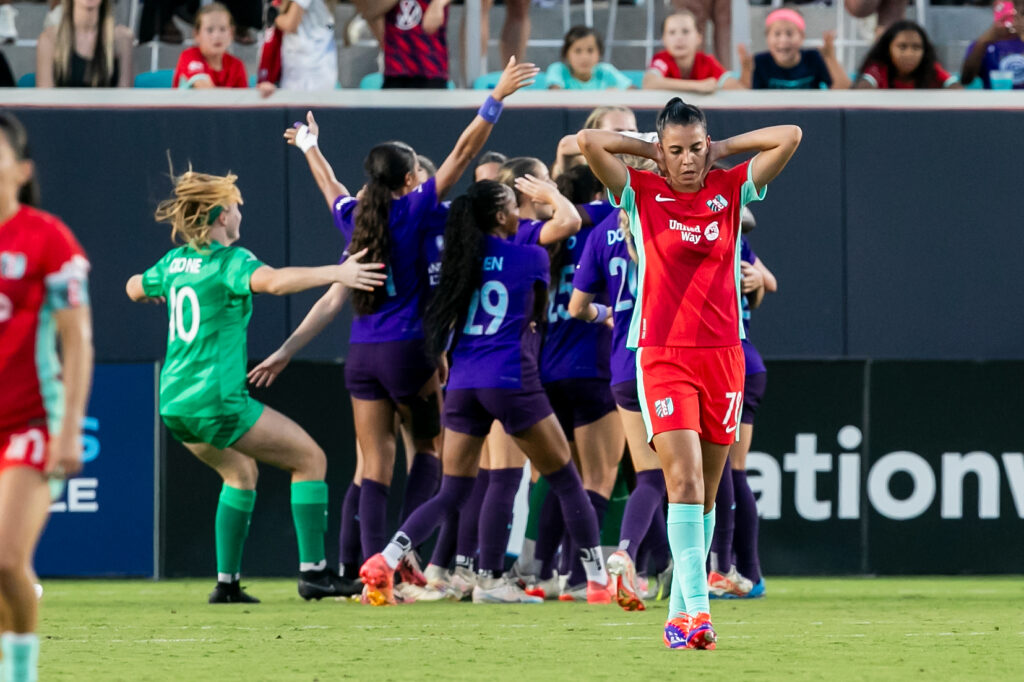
<point x="134" y="288"/>
<point x="319" y="316"/>
<point x="580" y="305"/>
<point x="564" y="222"/>
<point x="614" y="143"/>
<point x="292" y="280"/>
<point x="762" y="140"/>
<point x="323" y="175"/>
<point x="75" y="330"/>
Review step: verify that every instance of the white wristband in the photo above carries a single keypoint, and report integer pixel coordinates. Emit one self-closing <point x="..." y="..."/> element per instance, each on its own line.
<point x="304" y="139"/>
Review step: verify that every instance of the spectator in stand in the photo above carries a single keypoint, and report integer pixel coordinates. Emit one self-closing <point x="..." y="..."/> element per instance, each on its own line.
<point x="309" y="54"/>
<point x="681" y="66"/>
<point x="903" y="58"/>
<point x="888" y="11"/>
<point x="581" y="67"/>
<point x="415" y="41"/>
<point x="86" y="49"/>
<point x="1000" y="48"/>
<point x="786" y="65"/>
<point x="208" y="64"/>
<point x="719" y="13"/>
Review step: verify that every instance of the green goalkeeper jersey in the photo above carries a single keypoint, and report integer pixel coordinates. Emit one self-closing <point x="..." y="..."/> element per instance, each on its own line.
<point x="209" y="304"/>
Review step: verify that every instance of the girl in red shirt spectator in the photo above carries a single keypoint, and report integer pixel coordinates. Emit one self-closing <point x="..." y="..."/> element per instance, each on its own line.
<point x="681" y="65"/>
<point x="903" y="58"/>
<point x="208" y="64"/>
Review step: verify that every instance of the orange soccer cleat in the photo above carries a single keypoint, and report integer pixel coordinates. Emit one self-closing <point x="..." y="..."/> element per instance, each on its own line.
<point x="379" y="579"/>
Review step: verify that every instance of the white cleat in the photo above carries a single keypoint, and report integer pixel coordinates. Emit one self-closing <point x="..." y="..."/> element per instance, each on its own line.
<point x="501" y="591"/>
<point x="732" y="584"/>
<point x="462" y="582"/>
<point x="545" y="589"/>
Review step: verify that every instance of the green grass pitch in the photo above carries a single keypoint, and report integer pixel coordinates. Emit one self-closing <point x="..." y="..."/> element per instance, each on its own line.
<point x="805" y="629"/>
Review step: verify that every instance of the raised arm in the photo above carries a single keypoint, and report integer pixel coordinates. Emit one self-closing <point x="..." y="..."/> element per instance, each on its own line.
<point x="74" y="326"/>
<point x="971" y="67"/>
<point x="600" y="147"/>
<point x="319" y="316"/>
<point x="774" y="146"/>
<point x="840" y="79"/>
<point x="472" y="140"/>
<point x="289" y="20"/>
<point x="433" y="18"/>
<point x="284" y="281"/>
<point x="305" y="137"/>
<point x="565" y="221"/>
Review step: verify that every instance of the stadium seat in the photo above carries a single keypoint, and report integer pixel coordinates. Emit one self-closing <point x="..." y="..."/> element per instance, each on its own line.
<point x="375" y="81"/>
<point x="28" y="80"/>
<point x="489" y="80"/>
<point x="635" y="75"/>
<point x="163" y="78"/>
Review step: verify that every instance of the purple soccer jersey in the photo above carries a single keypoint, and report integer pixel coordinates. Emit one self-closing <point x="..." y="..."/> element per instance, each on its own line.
<point x="606" y="270"/>
<point x="597" y="211"/>
<point x="754" y="362"/>
<point x="433" y="245"/>
<point x="399" y="316"/>
<point x="495" y="346"/>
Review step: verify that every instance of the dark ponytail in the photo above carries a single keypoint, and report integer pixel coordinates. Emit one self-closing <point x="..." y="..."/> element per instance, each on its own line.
<point x="679" y="113"/>
<point x="470" y="217"/>
<point x="923" y="76"/>
<point x="387" y="167"/>
<point x="16" y="136"/>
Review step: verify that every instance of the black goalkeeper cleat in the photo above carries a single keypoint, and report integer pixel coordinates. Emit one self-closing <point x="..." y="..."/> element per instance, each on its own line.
<point x="350" y="587"/>
<point x="231" y="593"/>
<point x="324" y="583"/>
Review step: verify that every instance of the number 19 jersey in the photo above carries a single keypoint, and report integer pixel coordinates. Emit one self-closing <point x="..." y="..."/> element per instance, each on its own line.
<point x="209" y="304"/>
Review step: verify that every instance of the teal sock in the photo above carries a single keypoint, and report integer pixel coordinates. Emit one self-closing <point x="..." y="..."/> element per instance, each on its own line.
<point x="234" y="513"/>
<point x="21" y="657"/>
<point x="309" y="513"/>
<point x="685" y="525"/>
<point x="709" y="532"/>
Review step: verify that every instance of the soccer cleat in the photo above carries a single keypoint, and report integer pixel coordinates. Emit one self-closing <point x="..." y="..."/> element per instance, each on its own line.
<point x="379" y="579"/>
<point x="516" y="575"/>
<point x="407" y="593"/>
<point x="756" y="592"/>
<point x="702" y="634"/>
<point x="676" y="630"/>
<point x="661" y="585"/>
<point x="622" y="573"/>
<point x="409" y="571"/>
<point x="501" y="591"/>
<point x="600" y="594"/>
<point x="545" y="589"/>
<point x="320" y="584"/>
<point x="436" y="575"/>
<point x="231" y="593"/>
<point x="729" y="585"/>
<point x="462" y="582"/>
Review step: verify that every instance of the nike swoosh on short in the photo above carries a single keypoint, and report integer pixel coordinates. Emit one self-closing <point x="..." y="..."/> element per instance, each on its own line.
<point x="660" y="199"/>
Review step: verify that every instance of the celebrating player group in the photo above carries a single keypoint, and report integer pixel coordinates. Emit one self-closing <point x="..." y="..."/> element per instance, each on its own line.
<point x="560" y="317"/>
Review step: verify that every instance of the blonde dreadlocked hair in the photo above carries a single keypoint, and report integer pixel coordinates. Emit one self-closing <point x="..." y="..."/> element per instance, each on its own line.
<point x="198" y="200"/>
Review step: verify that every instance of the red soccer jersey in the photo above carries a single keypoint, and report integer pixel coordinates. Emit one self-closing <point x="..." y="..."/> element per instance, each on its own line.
<point x="192" y="65"/>
<point x="408" y="49"/>
<point x="42" y="269"/>
<point x="689" y="258"/>
<point x="704" y="66"/>
<point x="878" y="75"/>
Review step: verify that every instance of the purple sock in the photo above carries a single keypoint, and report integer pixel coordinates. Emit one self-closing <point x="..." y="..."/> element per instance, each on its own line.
<point x="643" y="502"/>
<point x="454" y="492"/>
<point x="657" y="542"/>
<point x="580" y="519"/>
<point x="373" y="517"/>
<point x="424" y="475"/>
<point x="577" y="576"/>
<point x="745" y="538"/>
<point x="349" y="555"/>
<point x="444" y="548"/>
<point x="725" y="523"/>
<point x="550" y="528"/>
<point x="496" y="518"/>
<point x="469" y="519"/>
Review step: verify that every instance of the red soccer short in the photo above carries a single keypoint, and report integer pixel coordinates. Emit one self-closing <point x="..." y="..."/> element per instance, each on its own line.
<point x="700" y="389"/>
<point x="24" y="446"/>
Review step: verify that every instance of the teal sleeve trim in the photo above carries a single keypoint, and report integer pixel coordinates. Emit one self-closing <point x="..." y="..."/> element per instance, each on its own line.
<point x="726" y="76"/>
<point x="749" y="193"/>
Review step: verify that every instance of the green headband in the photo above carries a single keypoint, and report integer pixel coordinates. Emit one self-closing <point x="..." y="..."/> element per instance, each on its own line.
<point x="214" y="214"/>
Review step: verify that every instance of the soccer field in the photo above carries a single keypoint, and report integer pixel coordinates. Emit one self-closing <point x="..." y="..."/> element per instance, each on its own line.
<point x="813" y="629"/>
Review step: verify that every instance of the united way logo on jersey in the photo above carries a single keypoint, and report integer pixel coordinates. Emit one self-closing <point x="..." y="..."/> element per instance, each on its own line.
<point x="12" y="265"/>
<point x="664" y="407"/>
<point x="718" y="203"/>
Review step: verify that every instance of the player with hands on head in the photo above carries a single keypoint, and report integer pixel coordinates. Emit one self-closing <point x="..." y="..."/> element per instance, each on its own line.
<point x="208" y="284"/>
<point x="686" y="324"/>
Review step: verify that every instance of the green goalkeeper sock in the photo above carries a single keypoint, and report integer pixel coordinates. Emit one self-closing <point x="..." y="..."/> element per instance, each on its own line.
<point x="309" y="512"/>
<point x="234" y="512"/>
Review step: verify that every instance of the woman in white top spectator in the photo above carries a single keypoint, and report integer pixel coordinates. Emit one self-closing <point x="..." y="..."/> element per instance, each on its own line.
<point x="86" y="49"/>
<point x="309" y="57"/>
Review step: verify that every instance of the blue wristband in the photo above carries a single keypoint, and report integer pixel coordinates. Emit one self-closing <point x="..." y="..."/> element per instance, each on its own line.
<point x="490" y="111"/>
<point x="602" y="313"/>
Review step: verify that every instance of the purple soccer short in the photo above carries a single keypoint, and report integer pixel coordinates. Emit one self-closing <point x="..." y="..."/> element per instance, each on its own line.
<point x="626" y="396"/>
<point x="753" y="392"/>
<point x="578" y="402"/>
<point x="473" y="410"/>
<point x="395" y="370"/>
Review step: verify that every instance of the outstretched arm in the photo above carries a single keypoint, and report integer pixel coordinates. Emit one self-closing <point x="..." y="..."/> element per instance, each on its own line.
<point x="472" y="140"/>
<point x="600" y="147"/>
<point x="565" y="220"/>
<point x="305" y="137"/>
<point x="774" y="146"/>
<point x="284" y="281"/>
